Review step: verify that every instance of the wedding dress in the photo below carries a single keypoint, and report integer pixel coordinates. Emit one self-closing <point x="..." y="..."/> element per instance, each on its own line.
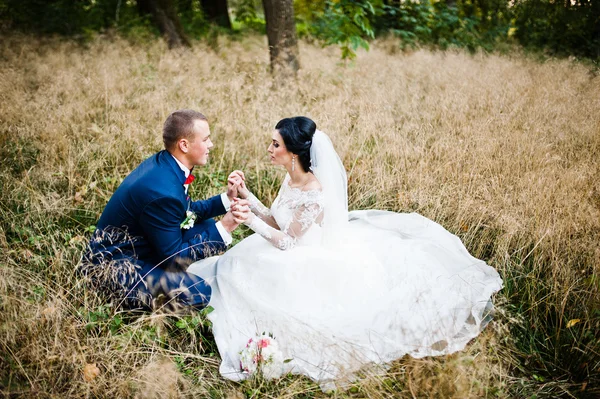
<point x="344" y="291"/>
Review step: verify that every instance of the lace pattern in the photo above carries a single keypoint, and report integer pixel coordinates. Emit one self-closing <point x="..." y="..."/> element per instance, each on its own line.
<point x="257" y="207"/>
<point x="294" y="211"/>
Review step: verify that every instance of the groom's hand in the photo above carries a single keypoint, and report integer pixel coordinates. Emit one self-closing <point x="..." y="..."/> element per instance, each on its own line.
<point x="238" y="214"/>
<point x="235" y="181"/>
<point x="229" y="222"/>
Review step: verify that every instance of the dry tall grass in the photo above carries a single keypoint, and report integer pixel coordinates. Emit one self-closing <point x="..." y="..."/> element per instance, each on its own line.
<point x="501" y="150"/>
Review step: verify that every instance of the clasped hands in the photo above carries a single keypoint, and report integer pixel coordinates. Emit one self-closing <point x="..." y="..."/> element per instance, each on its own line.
<point x="239" y="211"/>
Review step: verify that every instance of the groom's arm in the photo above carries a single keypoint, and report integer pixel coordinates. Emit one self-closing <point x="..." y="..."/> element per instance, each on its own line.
<point x="160" y="220"/>
<point x="211" y="207"/>
<point x="214" y="206"/>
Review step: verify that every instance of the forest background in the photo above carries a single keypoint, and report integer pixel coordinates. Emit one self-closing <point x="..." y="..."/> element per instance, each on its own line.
<point x="481" y="115"/>
<point x="559" y="27"/>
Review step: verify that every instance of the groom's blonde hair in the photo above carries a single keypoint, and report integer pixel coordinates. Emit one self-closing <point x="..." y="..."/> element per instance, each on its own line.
<point x="180" y="125"/>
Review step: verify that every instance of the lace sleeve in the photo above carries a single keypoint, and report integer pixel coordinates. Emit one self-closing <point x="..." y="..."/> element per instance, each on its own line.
<point x="304" y="216"/>
<point x="261" y="211"/>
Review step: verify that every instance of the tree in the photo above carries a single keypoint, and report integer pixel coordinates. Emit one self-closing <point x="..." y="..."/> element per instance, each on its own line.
<point x="282" y="38"/>
<point x="164" y="15"/>
<point x="216" y="11"/>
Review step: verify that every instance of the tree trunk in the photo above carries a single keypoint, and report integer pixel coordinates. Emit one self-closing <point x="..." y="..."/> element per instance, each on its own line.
<point x="281" y="32"/>
<point x="216" y="11"/>
<point x="164" y="15"/>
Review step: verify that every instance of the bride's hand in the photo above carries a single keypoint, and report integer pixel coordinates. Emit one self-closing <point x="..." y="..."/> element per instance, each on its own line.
<point x="243" y="192"/>
<point x="240" y="209"/>
<point x="249" y="218"/>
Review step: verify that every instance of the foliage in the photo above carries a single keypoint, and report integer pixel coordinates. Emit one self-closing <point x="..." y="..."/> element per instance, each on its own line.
<point x="83" y="18"/>
<point x="346" y="23"/>
<point x="562" y="27"/>
<point x="570" y="27"/>
<point x="193" y="20"/>
<point x="68" y="17"/>
<point x="351" y="23"/>
<point x="246" y="15"/>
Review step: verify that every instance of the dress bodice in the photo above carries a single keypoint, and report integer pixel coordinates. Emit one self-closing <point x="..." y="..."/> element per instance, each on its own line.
<point x="290" y="199"/>
<point x="294" y="217"/>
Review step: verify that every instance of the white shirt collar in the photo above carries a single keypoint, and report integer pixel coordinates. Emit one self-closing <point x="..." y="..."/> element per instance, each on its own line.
<point x="182" y="166"/>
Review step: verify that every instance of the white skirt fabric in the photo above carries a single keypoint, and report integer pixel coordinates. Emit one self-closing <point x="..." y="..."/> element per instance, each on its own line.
<point x="396" y="284"/>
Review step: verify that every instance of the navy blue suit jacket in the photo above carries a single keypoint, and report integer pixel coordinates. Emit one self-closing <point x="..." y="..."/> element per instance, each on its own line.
<point x="141" y="222"/>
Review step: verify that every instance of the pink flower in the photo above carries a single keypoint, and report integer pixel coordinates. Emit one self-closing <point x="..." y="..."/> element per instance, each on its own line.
<point x="258" y="359"/>
<point x="249" y="342"/>
<point x="263" y="343"/>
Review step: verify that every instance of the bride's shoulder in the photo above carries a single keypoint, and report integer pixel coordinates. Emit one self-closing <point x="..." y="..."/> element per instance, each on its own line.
<point x="312" y="193"/>
<point x="313" y="185"/>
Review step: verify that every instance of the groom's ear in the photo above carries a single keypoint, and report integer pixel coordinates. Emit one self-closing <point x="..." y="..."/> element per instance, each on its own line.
<point x="183" y="145"/>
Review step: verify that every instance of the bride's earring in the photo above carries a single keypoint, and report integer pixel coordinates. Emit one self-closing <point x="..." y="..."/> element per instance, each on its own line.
<point x="293" y="163"/>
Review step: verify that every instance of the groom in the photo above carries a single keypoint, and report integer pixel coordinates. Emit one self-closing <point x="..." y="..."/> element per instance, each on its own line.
<point x="150" y="230"/>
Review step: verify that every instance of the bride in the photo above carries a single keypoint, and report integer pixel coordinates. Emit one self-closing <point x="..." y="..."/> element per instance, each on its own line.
<point x="340" y="290"/>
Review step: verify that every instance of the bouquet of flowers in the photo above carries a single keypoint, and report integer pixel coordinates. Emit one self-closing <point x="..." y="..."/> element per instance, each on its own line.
<point x="262" y="355"/>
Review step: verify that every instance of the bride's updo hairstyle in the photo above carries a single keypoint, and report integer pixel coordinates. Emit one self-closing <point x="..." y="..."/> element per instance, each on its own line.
<point x="297" y="134"/>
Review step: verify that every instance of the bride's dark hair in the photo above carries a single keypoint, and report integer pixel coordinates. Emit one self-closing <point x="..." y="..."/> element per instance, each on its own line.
<point x="297" y="134"/>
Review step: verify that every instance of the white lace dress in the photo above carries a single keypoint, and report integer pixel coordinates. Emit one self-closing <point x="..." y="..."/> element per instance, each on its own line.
<point x="395" y="284"/>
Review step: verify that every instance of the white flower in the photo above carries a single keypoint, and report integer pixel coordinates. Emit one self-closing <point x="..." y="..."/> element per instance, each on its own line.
<point x="188" y="223"/>
<point x="262" y="353"/>
<point x="247" y="361"/>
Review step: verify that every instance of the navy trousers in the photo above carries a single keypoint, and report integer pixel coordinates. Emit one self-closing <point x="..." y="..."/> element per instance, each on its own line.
<point x="140" y="284"/>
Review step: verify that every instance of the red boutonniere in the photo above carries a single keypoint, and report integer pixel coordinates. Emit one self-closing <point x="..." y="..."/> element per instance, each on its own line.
<point x="189" y="179"/>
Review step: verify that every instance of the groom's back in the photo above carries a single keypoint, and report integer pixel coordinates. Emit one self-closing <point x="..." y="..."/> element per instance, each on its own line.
<point x="154" y="178"/>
